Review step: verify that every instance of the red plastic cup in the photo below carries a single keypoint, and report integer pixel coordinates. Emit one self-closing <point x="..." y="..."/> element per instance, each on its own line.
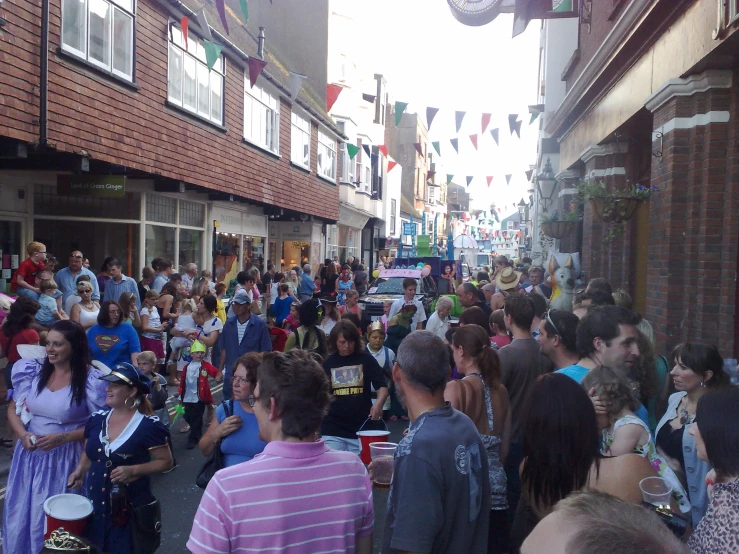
<point x="70" y="511"/>
<point x="368" y="437"/>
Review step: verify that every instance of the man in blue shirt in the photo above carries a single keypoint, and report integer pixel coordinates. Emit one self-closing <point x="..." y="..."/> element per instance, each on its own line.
<point x="241" y="334"/>
<point x="307" y="286"/>
<point x="119" y="284"/>
<point x="66" y="279"/>
<point x="164" y="270"/>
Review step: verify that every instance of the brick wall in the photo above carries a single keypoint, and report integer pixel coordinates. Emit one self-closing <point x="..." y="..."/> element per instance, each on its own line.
<point x="134" y="129"/>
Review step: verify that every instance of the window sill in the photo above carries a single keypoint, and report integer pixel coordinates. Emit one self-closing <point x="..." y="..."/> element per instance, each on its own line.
<point x="196" y="117"/>
<point x="260" y="147"/>
<point x="327" y="179"/>
<point x="348" y="184"/>
<point x="301" y="167"/>
<point x="364" y="192"/>
<point x="91" y="66"/>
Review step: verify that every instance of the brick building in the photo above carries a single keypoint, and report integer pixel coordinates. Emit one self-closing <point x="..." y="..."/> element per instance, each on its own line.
<point x="202" y="167"/>
<point x="651" y="98"/>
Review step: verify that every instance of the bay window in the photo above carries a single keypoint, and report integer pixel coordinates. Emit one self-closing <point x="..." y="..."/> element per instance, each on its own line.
<point x="326" y="156"/>
<point x="261" y="117"/>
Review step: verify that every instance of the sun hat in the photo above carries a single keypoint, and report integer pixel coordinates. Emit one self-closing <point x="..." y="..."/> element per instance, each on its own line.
<point x="507" y="279"/>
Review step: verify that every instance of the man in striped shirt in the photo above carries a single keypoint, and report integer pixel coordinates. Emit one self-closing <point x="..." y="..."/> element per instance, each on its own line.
<point x="297" y="496"/>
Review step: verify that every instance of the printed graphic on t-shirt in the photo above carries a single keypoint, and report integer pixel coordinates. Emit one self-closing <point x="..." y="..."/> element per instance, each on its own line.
<point x="106" y="342"/>
<point x="347" y="380"/>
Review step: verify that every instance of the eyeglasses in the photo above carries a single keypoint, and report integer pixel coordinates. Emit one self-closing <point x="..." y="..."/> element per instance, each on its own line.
<point x="252" y="400"/>
<point x="84" y="290"/>
<point x="239" y="380"/>
<point x="75" y="256"/>
<point x="549" y="319"/>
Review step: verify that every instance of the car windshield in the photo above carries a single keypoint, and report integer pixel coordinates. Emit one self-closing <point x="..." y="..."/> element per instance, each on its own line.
<point x="393" y="285"/>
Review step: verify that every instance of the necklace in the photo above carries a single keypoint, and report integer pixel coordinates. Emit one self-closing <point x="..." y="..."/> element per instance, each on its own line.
<point x="686" y="418"/>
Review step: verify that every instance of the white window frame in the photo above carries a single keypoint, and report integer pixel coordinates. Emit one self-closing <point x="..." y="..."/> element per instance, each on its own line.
<point x="393" y="216"/>
<point x="258" y="98"/>
<point x="297" y="131"/>
<point x="431" y="194"/>
<point x="326" y="148"/>
<point x="733" y="10"/>
<point x="348" y="166"/>
<point x="127" y="9"/>
<point x="195" y="53"/>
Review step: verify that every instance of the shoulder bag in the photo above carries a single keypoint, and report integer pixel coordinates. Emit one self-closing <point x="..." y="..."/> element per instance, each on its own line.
<point x="146" y="531"/>
<point x="216" y="460"/>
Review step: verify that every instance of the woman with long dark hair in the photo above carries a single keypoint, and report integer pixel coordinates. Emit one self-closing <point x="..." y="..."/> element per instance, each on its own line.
<point x="15" y="331"/>
<point x="308" y="336"/>
<point x="560" y="446"/>
<point x="54" y="397"/>
<point x="111" y="340"/>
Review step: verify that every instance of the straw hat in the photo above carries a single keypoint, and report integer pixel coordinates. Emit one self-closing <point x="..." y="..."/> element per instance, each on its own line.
<point x="507" y="279"/>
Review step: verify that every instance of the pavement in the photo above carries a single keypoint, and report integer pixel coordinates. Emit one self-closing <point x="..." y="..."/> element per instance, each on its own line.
<point x="177" y="492"/>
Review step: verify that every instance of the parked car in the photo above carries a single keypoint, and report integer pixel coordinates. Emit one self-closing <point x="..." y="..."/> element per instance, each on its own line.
<point x="389" y="286"/>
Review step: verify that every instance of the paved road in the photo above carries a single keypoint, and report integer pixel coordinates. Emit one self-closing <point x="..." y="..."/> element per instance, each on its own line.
<point x="180" y="496"/>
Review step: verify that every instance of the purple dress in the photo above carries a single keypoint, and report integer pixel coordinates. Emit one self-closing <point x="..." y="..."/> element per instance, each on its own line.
<point x="35" y="476"/>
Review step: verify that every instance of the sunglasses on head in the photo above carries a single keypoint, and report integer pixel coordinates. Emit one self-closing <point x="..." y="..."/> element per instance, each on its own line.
<point x="549" y="319"/>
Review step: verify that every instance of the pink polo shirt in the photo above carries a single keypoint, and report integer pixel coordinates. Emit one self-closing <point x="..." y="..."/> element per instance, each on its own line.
<point x="293" y="497"/>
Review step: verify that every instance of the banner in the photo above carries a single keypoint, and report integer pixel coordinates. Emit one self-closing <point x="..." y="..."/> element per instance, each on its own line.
<point x="332" y="94"/>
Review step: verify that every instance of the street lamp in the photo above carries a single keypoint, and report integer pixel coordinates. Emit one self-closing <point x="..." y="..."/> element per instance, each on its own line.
<point x="546" y="182"/>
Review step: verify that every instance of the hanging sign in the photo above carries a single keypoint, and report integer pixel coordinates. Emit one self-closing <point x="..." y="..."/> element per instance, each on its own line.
<point x="109" y="186"/>
<point x="409" y="228"/>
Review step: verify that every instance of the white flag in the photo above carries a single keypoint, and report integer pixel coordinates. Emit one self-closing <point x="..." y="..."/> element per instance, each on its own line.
<point x="203" y="22"/>
<point x="296" y="83"/>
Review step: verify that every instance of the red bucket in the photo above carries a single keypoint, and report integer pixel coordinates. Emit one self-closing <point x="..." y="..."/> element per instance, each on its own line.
<point x="368" y="437"/>
<point x="69" y="511"/>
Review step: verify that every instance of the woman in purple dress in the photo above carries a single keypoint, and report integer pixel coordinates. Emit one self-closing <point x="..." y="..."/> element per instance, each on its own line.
<point x="52" y="400"/>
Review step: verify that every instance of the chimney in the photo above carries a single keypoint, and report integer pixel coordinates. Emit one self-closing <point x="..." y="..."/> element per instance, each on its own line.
<point x="260" y="43"/>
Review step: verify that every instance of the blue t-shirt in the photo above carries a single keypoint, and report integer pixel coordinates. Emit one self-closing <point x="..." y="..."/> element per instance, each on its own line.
<point x="47" y="307"/>
<point x="113" y="345"/>
<point x="281" y="308"/>
<point x="244" y="443"/>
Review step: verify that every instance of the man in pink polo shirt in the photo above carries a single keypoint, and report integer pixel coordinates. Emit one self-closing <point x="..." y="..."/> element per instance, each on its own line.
<point x="298" y="495"/>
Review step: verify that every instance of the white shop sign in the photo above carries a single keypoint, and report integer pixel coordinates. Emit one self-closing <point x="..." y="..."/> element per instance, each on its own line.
<point x="239" y="222"/>
<point x="291" y="231"/>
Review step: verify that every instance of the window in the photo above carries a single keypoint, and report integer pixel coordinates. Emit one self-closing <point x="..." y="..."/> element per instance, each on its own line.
<point x="393" y="209"/>
<point x="431" y="194"/>
<point x="348" y="168"/>
<point x="300" y="140"/>
<point x="261" y="117"/>
<point x="190" y="85"/>
<point x="161" y="209"/>
<point x="100" y="32"/>
<point x="326" y="156"/>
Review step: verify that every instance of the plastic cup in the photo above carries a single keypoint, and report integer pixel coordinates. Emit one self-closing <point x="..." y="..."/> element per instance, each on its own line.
<point x="382" y="462"/>
<point x="656" y="490"/>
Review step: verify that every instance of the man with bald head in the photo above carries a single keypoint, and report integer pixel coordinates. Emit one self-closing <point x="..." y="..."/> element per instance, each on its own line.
<point x="188" y="277"/>
<point x="66" y="279"/>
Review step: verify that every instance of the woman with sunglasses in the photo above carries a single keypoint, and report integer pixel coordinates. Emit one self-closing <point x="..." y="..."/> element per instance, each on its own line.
<point x="235" y="429"/>
<point x="85" y="312"/>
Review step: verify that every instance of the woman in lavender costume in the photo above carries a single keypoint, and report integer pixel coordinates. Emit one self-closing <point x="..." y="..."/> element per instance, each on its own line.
<point x="53" y="398"/>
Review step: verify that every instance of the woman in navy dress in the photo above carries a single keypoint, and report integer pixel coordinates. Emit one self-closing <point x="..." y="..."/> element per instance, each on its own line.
<point x="124" y="445"/>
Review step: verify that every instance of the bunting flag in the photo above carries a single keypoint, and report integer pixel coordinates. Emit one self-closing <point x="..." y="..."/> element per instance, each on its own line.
<point x="437" y="147"/>
<point x="495" y="133"/>
<point x="332" y="94"/>
<point x="212" y="51"/>
<point x="184" y="23"/>
<point x="352" y="150"/>
<point x="449" y="178"/>
<point x="430" y="115"/>
<point x="369" y="98"/>
<point x="486" y="121"/>
<point x="296" y="83"/>
<point x="469" y="179"/>
<point x="529" y="174"/>
<point x="535" y="112"/>
<point x="526" y="10"/>
<point x="430" y="175"/>
<point x="244" y="10"/>
<point x="366" y="148"/>
<point x="508" y="179"/>
<point x="505" y="234"/>
<point x="455" y="143"/>
<point x="459" y="116"/>
<point x="221" y="7"/>
<point x="473" y="138"/>
<point x="490" y="180"/>
<point x="391" y="163"/>
<point x="517" y="128"/>
<point x="399" y="109"/>
<point x="255" y="69"/>
<point x="203" y="23"/>
<point x="512" y="118"/>
<point x="419" y="148"/>
<point x="382" y="148"/>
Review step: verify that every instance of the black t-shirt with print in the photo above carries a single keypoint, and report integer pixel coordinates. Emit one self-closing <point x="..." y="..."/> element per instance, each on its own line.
<point x="350" y="377"/>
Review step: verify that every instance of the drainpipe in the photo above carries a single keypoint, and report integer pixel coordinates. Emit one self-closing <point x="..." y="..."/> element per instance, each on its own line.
<point x="44" y="77"/>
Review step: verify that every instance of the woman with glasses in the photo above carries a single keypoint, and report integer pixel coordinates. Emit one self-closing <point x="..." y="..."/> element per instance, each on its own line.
<point x="238" y="434"/>
<point x="112" y="341"/>
<point x="85" y="312"/>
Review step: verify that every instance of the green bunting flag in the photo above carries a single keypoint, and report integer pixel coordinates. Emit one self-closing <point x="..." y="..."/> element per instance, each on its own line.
<point x="449" y="178"/>
<point x="212" y="51"/>
<point x="352" y="149"/>
<point x="399" y="109"/>
<point x="437" y="147"/>
<point x="535" y="112"/>
<point x="244" y="10"/>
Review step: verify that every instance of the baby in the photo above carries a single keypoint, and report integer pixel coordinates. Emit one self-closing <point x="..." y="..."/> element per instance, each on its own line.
<point x="185" y="322"/>
<point x="49" y="312"/>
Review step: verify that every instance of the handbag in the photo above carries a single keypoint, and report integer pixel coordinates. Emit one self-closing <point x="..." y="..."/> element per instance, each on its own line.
<point x="216" y="460"/>
<point x="675" y="523"/>
<point x="146" y="531"/>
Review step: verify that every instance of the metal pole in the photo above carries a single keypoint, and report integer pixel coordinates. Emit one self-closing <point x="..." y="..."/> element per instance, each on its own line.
<point x="43" y="136"/>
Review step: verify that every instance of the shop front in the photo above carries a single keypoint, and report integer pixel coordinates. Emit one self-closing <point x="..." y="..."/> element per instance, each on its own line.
<point x="297" y="243"/>
<point x="239" y="240"/>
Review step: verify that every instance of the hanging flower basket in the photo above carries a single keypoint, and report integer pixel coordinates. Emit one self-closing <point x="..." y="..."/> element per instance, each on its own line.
<point x="558" y="229"/>
<point x="612" y="209"/>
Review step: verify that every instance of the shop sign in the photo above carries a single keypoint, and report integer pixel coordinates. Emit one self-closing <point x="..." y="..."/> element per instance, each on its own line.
<point x="299" y="231"/>
<point x="229" y="221"/>
<point x="254" y="225"/>
<point x="108" y="186"/>
<point x="409" y="228"/>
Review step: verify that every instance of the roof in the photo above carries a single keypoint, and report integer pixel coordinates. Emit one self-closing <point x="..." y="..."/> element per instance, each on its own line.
<point x="407" y="207"/>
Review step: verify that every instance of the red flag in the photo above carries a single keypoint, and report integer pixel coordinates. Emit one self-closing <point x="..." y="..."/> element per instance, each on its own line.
<point x="486" y="121"/>
<point x="419" y="148"/>
<point x="221" y="6"/>
<point x="430" y="174"/>
<point x="505" y="234"/>
<point x="430" y="115"/>
<point x="183" y="24"/>
<point x="391" y="163"/>
<point x="255" y="69"/>
<point x="490" y="180"/>
<point x="382" y="148"/>
<point x="498" y="210"/>
<point x="332" y="94"/>
<point x="473" y="138"/>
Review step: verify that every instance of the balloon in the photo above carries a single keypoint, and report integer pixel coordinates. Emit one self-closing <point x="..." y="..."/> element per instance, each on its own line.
<point x="426" y="271"/>
<point x="376" y="273"/>
<point x="427" y="266"/>
<point x="419" y="265"/>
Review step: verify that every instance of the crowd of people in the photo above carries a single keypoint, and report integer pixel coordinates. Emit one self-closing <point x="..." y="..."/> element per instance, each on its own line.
<point x="529" y="429"/>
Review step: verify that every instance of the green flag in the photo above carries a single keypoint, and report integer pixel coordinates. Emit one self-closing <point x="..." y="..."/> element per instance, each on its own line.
<point x="244" y="10"/>
<point x="449" y="178"/>
<point x="399" y="109"/>
<point x="212" y="51"/>
<point x="437" y="147"/>
<point x="352" y="149"/>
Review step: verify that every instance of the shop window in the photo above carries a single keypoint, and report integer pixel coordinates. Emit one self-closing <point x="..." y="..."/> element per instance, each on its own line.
<point x="347" y="166"/>
<point x="189" y="83"/>
<point x="159" y="242"/>
<point x="161" y="209"/>
<point x="192" y="214"/>
<point x="226" y="257"/>
<point x="191" y="246"/>
<point x="10" y="245"/>
<point x="393" y="211"/>
<point x="46" y="201"/>
<point x="326" y="156"/>
<point x="261" y="117"/>
<point x="101" y="33"/>
<point x="254" y="253"/>
<point x="300" y="140"/>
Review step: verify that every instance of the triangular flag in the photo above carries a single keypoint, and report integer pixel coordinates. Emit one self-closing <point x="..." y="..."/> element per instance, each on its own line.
<point x="490" y="180"/>
<point x="212" y="51"/>
<point x="469" y="179"/>
<point x="244" y="10"/>
<point x="486" y="121"/>
<point x="473" y="138"/>
<point x="332" y="94"/>
<point x="369" y="98"/>
<point x="455" y="143"/>
<point x="459" y="116"/>
<point x="495" y="132"/>
<point x="399" y="109"/>
<point x="296" y="83"/>
<point x="382" y="148"/>
<point x="203" y="23"/>
<point x="221" y="7"/>
<point x="508" y="179"/>
<point x="529" y="174"/>
<point x="255" y="69"/>
<point x="391" y="163"/>
<point x="449" y="178"/>
<point x="512" y="121"/>
<point x="430" y="174"/>
<point x="430" y="115"/>
<point x="535" y="112"/>
<point x="419" y="148"/>
<point x="517" y="128"/>
<point x="526" y="10"/>
<point x="184" y="23"/>
<point x="437" y="147"/>
<point x="366" y="148"/>
<point x="352" y="150"/>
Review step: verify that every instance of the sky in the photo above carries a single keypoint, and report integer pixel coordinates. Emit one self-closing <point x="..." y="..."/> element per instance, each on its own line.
<point x="430" y="59"/>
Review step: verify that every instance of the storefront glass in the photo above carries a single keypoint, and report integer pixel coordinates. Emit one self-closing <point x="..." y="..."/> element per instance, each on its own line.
<point x="10" y="245"/>
<point x="254" y="253"/>
<point x="295" y="253"/>
<point x="159" y="243"/>
<point x="226" y="257"/>
<point x="348" y="243"/>
<point x="191" y="247"/>
<point x="46" y="201"/>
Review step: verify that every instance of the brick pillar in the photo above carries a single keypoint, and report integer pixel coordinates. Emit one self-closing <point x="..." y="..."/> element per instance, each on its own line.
<point x="566" y="194"/>
<point x="693" y="223"/>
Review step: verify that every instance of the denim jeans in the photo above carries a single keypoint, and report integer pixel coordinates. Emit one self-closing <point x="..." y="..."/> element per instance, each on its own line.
<point x="346" y="445"/>
<point x="28" y="293"/>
